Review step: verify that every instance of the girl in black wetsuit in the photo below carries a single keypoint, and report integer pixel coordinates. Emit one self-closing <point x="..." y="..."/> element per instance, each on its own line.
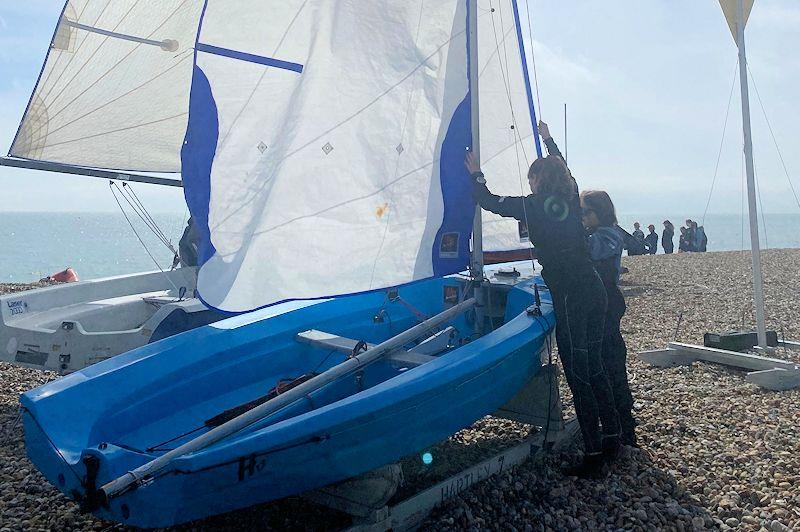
<point x="552" y="214"/>
<point x="605" y="248"/>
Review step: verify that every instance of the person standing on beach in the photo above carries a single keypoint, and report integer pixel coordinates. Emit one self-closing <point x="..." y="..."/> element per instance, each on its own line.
<point x="636" y="246"/>
<point x="667" y="236"/>
<point x="552" y="214"/>
<point x="605" y="248"/>
<point x="651" y="240"/>
<point x="700" y="240"/>
<point x="690" y="235"/>
<point x="683" y="242"/>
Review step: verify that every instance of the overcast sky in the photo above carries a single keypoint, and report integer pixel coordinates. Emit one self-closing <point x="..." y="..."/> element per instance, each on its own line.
<point x="646" y="83"/>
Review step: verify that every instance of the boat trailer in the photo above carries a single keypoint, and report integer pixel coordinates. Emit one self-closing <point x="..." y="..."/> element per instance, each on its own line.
<point x="368" y="497"/>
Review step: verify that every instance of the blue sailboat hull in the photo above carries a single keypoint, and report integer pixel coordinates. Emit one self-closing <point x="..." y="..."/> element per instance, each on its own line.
<point x="127" y="410"/>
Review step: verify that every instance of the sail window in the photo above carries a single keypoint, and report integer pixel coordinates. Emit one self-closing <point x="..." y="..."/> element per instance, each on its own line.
<point x="64" y="39"/>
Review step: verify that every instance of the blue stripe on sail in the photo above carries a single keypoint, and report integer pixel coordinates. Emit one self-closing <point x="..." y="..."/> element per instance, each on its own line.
<point x="250" y="58"/>
<point x="527" y="77"/>
<point x="451" y="246"/>
<point x="459" y="207"/>
<point x="197" y="157"/>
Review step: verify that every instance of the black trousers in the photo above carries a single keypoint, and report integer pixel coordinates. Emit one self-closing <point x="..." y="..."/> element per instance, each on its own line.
<point x="615" y="357"/>
<point x="580" y="327"/>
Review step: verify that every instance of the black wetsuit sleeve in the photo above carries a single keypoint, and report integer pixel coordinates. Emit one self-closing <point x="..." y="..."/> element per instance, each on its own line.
<point x="508" y="206"/>
<point x="552" y="147"/>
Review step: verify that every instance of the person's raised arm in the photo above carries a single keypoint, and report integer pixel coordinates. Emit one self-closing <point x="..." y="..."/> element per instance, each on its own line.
<point x="511" y="207"/>
<point x="552" y="148"/>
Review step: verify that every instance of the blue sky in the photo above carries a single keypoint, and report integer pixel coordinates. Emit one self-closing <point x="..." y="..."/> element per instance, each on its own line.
<point x="646" y="83"/>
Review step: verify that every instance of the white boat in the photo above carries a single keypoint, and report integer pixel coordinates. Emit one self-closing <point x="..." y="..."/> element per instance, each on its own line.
<point x="67" y="327"/>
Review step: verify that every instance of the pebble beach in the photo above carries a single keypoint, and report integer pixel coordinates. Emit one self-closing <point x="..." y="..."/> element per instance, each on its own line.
<point x="717" y="453"/>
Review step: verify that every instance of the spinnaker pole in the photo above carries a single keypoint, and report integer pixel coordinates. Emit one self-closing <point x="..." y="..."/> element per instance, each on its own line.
<point x="758" y="280"/>
<point x="476" y="261"/>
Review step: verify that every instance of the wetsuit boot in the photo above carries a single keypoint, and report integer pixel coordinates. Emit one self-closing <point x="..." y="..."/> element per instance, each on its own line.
<point x="611" y="447"/>
<point x="628" y="434"/>
<point x="592" y="467"/>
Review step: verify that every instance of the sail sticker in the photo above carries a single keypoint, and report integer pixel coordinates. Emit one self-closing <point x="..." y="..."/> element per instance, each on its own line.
<point x="327" y="148"/>
<point x="64" y="39"/>
<point x="448" y="247"/>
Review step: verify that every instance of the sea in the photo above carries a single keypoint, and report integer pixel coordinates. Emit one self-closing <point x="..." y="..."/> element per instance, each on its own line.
<point x="37" y="244"/>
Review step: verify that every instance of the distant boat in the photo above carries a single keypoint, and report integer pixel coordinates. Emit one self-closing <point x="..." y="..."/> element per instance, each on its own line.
<point x="66" y="327"/>
<point x="323" y="163"/>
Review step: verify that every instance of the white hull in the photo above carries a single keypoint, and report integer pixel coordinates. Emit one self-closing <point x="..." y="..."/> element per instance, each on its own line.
<point x="67" y="327"/>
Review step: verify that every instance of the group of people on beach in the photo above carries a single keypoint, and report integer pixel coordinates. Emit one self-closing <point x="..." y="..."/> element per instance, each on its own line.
<point x="580" y="247"/>
<point x="693" y="238"/>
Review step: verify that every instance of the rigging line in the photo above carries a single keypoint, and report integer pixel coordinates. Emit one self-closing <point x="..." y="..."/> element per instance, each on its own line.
<point x="145" y="216"/>
<point x="143" y="219"/>
<point x="494" y="53"/>
<point x="533" y="56"/>
<point x="399" y="153"/>
<point x="774" y="140"/>
<point x="126" y="128"/>
<point x="516" y="145"/>
<point x="132" y="193"/>
<point x="139" y="238"/>
<point x="115" y="65"/>
<point x="88" y="59"/>
<point x="77" y="48"/>
<point x="188" y="54"/>
<point x="760" y="205"/>
<point x="524" y="208"/>
<point x="506" y="82"/>
<point x="721" y="145"/>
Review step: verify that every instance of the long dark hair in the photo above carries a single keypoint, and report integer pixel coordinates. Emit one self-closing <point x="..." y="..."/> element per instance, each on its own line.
<point x="549" y="175"/>
<point x="600" y="202"/>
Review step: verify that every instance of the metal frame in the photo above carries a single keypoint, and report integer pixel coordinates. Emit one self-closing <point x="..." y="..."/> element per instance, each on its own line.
<point x="88" y="172"/>
<point x="758" y="280"/>
<point x="365" y="498"/>
<point x="770" y="373"/>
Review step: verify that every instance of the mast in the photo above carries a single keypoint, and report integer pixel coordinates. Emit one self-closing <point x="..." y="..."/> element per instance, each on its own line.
<point x="476" y="261"/>
<point x="566" y="147"/>
<point x="758" y="280"/>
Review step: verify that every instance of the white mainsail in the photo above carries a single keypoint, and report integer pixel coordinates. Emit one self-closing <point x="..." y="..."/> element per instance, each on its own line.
<point x="314" y="155"/>
<point x="508" y="135"/>
<point x="324" y="152"/>
<point x="114" y="89"/>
